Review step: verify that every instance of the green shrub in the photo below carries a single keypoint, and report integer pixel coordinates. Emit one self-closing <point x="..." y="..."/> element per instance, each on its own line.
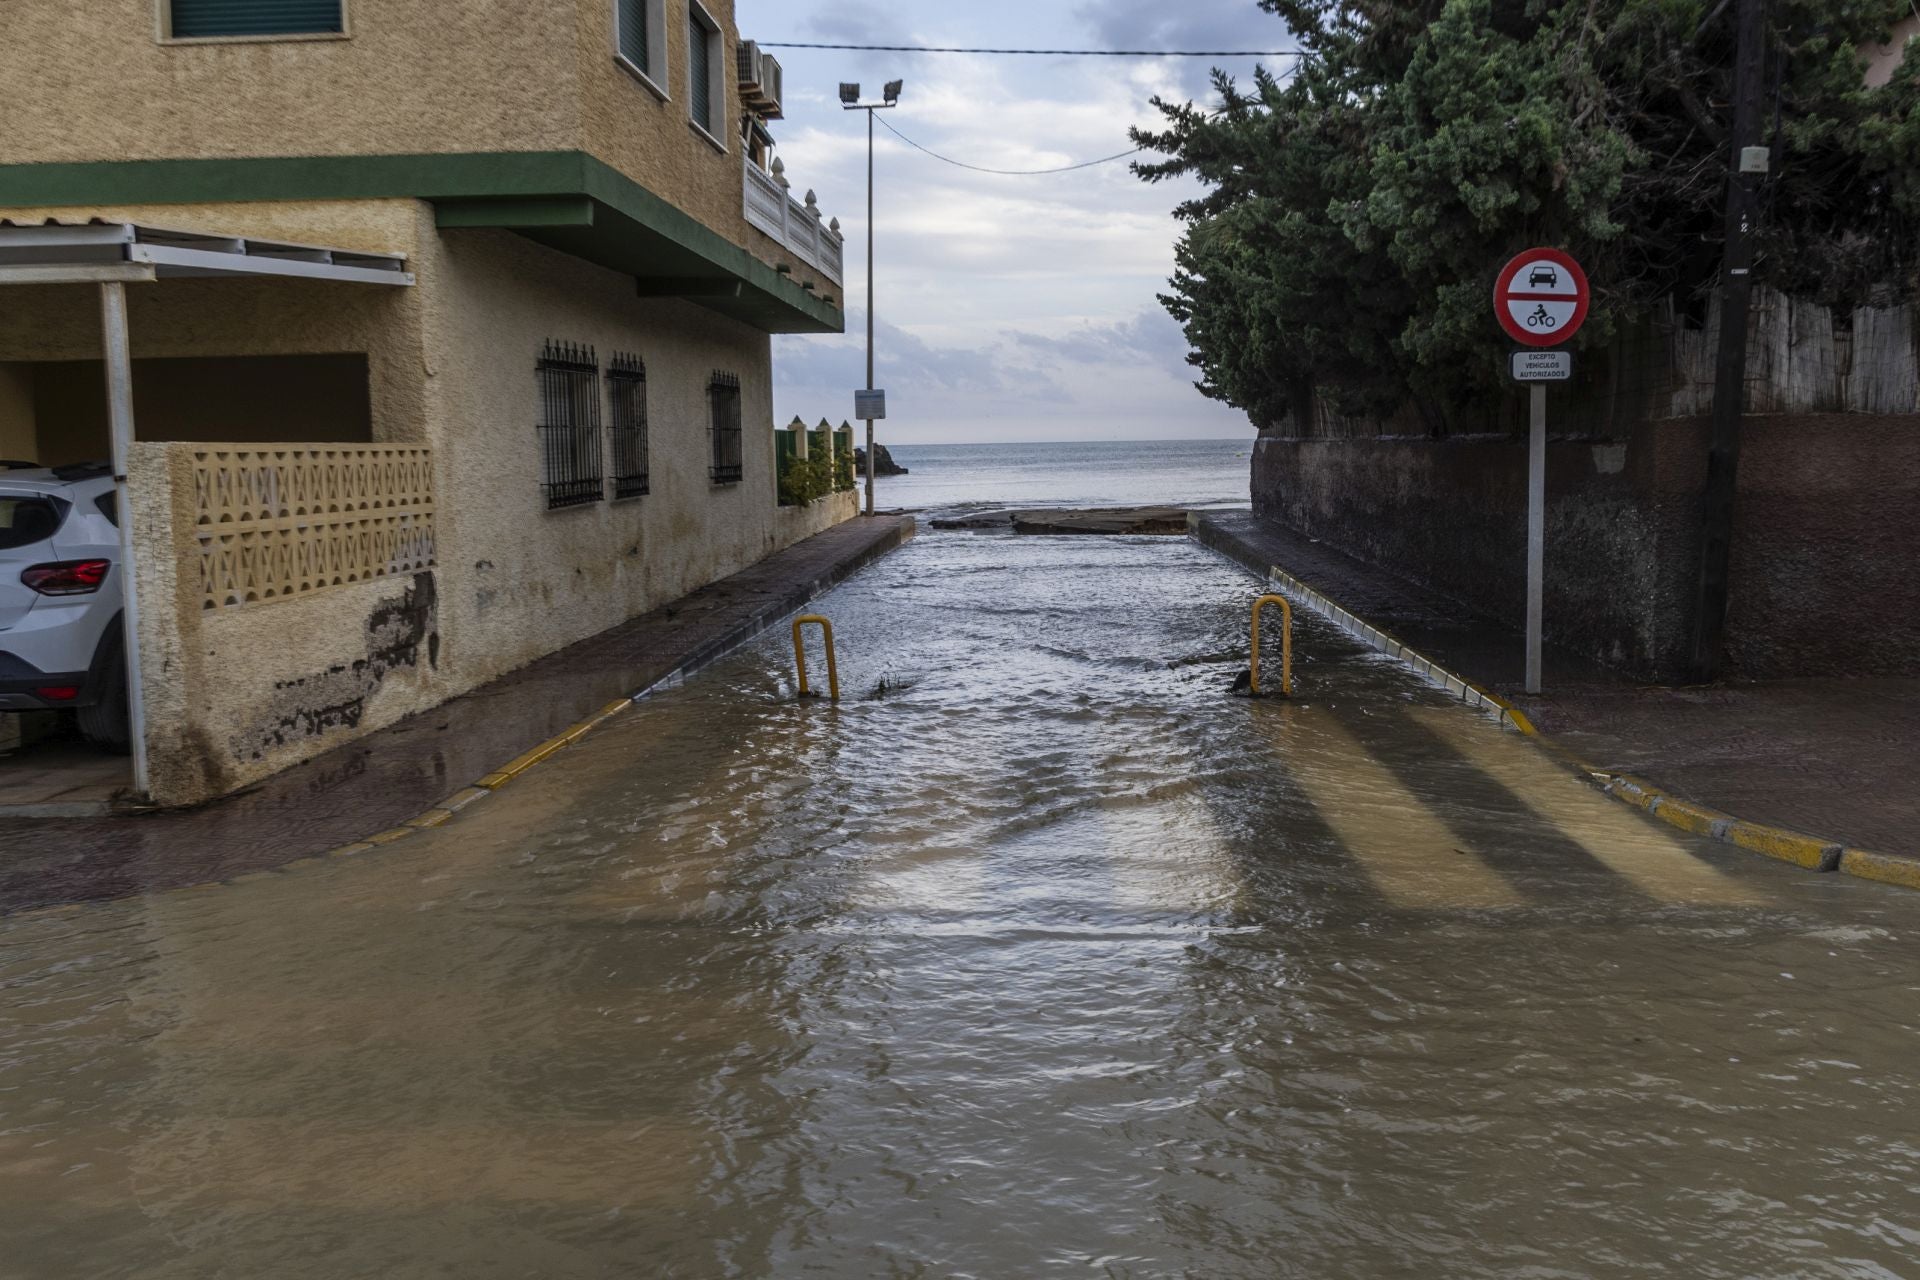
<point x="802" y="480"/>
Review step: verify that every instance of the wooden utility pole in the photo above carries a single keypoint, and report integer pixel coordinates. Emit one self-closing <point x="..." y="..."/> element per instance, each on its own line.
<point x="1748" y="161"/>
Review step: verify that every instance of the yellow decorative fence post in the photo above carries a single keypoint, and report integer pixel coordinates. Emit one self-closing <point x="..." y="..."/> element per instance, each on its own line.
<point x="800" y="655"/>
<point x="1286" y="644"/>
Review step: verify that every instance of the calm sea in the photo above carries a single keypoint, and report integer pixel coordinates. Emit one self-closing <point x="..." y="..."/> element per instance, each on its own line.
<point x="1181" y="473"/>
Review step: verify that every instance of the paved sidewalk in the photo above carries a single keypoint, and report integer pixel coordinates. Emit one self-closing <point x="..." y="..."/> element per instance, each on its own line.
<point x="389" y="777"/>
<point x="1833" y="759"/>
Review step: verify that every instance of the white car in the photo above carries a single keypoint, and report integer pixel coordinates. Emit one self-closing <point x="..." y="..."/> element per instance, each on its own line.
<point x="61" y="643"/>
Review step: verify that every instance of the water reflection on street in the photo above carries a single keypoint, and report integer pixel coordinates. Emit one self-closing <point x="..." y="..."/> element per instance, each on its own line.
<point x="1037" y="955"/>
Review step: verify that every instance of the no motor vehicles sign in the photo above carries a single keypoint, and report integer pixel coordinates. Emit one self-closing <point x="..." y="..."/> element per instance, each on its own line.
<point x="1541" y="298"/>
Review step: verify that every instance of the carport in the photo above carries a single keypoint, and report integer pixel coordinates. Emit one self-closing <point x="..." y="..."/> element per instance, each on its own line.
<point x="112" y="255"/>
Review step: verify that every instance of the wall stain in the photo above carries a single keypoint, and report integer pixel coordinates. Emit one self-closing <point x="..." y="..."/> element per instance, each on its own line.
<point x="311" y="706"/>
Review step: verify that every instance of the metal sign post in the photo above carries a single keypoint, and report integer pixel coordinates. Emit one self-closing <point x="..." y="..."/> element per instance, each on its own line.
<point x="1541" y="300"/>
<point x="1536" y="529"/>
<point x="870" y="405"/>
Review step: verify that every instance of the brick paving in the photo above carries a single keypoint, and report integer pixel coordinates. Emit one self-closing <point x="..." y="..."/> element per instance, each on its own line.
<point x="1829" y="758"/>
<point x="390" y="776"/>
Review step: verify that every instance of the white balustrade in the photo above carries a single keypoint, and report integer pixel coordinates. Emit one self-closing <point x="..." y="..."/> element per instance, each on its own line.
<point x="793" y="224"/>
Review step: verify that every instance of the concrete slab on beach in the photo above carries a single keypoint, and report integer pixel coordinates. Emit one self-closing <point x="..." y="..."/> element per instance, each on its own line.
<point x="1169" y="521"/>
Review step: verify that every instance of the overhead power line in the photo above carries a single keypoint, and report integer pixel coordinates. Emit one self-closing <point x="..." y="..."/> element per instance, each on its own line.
<point x="1045" y="53"/>
<point x="1007" y="173"/>
<point x="1029" y="173"/>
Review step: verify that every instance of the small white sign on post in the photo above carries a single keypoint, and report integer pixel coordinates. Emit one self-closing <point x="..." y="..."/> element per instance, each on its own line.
<point x="870" y="406"/>
<point x="1542" y="366"/>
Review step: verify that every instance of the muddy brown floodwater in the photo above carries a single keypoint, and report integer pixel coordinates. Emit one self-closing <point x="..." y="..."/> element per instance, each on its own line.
<point x="1036" y="956"/>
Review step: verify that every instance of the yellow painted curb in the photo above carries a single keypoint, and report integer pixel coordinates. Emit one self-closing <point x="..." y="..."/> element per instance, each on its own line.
<point x="1519" y="719"/>
<point x="1634" y="791"/>
<point x="461" y="799"/>
<point x="1788" y="846"/>
<point x="1886" y="868"/>
<point x="1775" y="842"/>
<point x="444" y="812"/>
<point x="560" y="742"/>
<point x="520" y="764"/>
<point x="1689" y="817"/>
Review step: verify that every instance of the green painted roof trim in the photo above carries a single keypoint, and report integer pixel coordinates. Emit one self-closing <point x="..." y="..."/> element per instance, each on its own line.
<point x="538" y="193"/>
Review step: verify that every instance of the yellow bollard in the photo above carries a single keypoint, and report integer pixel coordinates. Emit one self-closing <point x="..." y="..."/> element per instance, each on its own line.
<point x="800" y="655"/>
<point x="1286" y="644"/>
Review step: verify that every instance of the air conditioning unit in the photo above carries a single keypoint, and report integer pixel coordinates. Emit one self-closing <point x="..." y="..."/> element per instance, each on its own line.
<point x="749" y="56"/>
<point x="770" y="85"/>
<point x="759" y="80"/>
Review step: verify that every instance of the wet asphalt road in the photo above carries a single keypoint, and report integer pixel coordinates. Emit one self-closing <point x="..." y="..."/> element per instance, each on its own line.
<point x="1037" y="955"/>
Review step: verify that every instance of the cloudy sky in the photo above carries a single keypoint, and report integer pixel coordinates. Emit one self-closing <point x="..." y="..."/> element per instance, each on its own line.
<point x="1008" y="308"/>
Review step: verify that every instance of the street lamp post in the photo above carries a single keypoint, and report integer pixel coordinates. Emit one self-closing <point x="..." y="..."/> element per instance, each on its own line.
<point x="850" y="101"/>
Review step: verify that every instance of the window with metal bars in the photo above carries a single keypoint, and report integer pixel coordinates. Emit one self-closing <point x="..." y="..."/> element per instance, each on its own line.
<point x="569" y="426"/>
<point x="627" y="424"/>
<point x="215" y="19"/>
<point x="723" y="400"/>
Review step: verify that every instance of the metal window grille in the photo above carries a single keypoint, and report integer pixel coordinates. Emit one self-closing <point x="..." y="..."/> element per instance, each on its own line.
<point x="723" y="399"/>
<point x="627" y="424"/>
<point x="569" y="427"/>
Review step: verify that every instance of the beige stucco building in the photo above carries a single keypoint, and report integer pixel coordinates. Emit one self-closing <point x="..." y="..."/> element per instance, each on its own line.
<point x="466" y="358"/>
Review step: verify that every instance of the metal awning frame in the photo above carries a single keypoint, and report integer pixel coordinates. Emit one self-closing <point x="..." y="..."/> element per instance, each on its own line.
<point x="129" y="253"/>
<point x="112" y="255"/>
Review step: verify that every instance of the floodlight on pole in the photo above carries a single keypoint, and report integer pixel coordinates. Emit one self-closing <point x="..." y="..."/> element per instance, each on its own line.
<point x="850" y="101"/>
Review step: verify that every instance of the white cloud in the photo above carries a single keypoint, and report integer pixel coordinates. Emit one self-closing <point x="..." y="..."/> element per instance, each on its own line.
<point x="1008" y="307"/>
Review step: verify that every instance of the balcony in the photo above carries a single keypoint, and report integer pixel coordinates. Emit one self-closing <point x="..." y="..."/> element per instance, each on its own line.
<point x="795" y="225"/>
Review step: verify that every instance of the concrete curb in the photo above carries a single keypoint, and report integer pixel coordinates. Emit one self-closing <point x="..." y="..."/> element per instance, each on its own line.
<point x="772" y="613"/>
<point x="1801" y="850"/>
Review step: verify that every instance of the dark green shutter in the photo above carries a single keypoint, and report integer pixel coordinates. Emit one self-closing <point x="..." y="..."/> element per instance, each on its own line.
<point x="843" y="473"/>
<point x="633" y="34"/>
<point x="198" y="19"/>
<point x="784" y="453"/>
<point x="699" y="40"/>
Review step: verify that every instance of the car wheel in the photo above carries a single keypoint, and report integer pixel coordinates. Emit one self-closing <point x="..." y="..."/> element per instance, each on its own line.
<point x="104" y="724"/>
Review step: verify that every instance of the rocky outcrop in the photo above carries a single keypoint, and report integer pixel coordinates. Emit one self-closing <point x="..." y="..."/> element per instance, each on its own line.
<point x="883" y="463"/>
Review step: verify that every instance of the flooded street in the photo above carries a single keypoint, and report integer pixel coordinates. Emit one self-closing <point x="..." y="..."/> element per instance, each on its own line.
<point x="1037" y="955"/>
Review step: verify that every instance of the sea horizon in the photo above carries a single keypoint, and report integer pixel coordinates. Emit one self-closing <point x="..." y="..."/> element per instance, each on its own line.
<point x="993" y="444"/>
<point x="1193" y="473"/>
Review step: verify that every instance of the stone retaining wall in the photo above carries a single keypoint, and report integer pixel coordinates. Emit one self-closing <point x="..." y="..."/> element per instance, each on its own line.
<point x="1824" y="565"/>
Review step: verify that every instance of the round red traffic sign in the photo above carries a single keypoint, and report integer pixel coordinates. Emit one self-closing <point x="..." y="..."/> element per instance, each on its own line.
<point x="1541" y="298"/>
